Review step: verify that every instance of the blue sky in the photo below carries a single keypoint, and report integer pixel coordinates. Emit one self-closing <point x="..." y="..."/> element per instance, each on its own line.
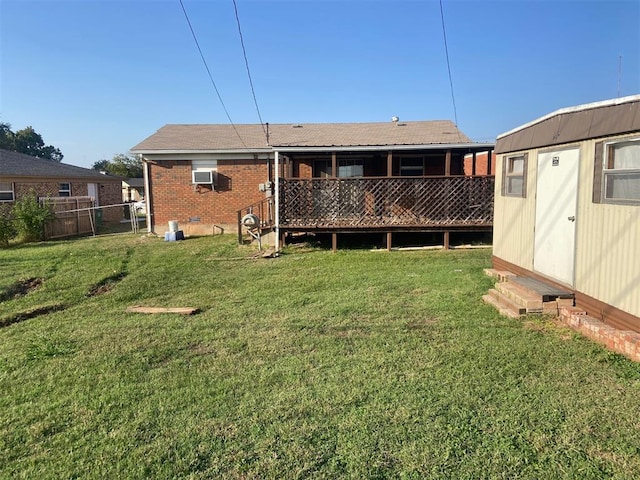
<point x="97" y="77"/>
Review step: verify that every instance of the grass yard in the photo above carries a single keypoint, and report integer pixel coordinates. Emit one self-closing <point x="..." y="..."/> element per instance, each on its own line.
<point x="346" y="365"/>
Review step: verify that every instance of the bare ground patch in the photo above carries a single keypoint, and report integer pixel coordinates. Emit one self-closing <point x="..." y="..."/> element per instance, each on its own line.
<point x="106" y="285"/>
<point x="21" y="288"/>
<point x="26" y="315"/>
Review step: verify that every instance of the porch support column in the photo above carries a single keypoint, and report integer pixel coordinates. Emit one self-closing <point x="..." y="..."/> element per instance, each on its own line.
<point x="334" y="242"/>
<point x="389" y="239"/>
<point x="446" y="240"/>
<point x="277" y="201"/>
<point x="447" y="164"/>
<point x="473" y="164"/>
<point x="334" y="165"/>
<point x="389" y="163"/>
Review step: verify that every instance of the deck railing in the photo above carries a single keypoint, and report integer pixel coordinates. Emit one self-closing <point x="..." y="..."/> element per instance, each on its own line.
<point x="264" y="210"/>
<point x="387" y="202"/>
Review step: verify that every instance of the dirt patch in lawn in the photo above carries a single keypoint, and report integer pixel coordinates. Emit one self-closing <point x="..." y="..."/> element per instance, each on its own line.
<point x="26" y="315"/>
<point x="106" y="285"/>
<point x="20" y="288"/>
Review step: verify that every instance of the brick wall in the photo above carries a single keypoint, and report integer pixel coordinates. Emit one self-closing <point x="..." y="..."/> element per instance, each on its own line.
<point x="485" y="163"/>
<point x="202" y="210"/>
<point x="109" y="193"/>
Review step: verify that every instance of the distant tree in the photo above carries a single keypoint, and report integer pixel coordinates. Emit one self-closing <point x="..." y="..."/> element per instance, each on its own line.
<point x="122" y="165"/>
<point x="27" y="141"/>
<point x="6" y="136"/>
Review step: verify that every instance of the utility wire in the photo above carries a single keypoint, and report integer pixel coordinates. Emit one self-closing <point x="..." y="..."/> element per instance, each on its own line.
<point x="246" y="62"/>
<point x="446" y="49"/>
<point x="211" y="76"/>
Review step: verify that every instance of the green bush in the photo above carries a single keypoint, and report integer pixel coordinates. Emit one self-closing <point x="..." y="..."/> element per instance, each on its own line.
<point x="7" y="227"/>
<point x="31" y="217"/>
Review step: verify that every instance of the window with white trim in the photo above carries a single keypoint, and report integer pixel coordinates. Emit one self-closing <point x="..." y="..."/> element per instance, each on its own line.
<point x="621" y="172"/>
<point x="514" y="176"/>
<point x="6" y="192"/>
<point x="64" y="190"/>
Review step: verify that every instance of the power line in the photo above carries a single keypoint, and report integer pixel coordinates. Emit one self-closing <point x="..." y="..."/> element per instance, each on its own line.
<point x="246" y="62"/>
<point x="446" y="49"/>
<point x="206" y="66"/>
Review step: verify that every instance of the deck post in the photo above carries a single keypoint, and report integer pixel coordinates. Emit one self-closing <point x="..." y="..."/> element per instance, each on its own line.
<point x="334" y="165"/>
<point x="389" y="163"/>
<point x="446" y="240"/>
<point x="334" y="242"/>
<point x="389" y="239"/>
<point x="276" y="227"/>
<point x="239" y="227"/>
<point x="447" y="164"/>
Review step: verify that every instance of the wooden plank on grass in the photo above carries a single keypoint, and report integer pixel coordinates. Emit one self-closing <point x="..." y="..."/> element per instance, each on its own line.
<point x="180" y="310"/>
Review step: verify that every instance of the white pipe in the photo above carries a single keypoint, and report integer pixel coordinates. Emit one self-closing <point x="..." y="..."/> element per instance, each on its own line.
<point x="147" y="193"/>
<point x="277" y="200"/>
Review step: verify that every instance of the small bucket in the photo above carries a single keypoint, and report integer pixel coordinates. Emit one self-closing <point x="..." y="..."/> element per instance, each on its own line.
<point x="173" y="225"/>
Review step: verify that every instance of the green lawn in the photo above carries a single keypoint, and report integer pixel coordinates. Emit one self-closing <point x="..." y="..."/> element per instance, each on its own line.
<point x="347" y="365"/>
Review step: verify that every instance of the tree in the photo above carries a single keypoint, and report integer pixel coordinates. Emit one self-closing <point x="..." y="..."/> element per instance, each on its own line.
<point x="122" y="165"/>
<point x="6" y="136"/>
<point x="27" y="141"/>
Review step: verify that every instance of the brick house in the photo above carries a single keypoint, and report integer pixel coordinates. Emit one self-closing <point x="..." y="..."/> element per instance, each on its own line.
<point x="20" y="174"/>
<point x="424" y="176"/>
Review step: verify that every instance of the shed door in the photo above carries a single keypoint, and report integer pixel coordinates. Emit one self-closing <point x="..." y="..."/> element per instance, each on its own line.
<point x="556" y="204"/>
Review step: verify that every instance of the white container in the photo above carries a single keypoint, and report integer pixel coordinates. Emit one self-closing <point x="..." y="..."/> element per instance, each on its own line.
<point x="173" y="225"/>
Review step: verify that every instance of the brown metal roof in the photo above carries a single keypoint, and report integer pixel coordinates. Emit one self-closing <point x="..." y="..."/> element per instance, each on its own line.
<point x="593" y="120"/>
<point x="223" y="137"/>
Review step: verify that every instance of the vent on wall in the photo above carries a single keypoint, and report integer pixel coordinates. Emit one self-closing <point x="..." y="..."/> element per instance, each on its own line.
<point x="202" y="177"/>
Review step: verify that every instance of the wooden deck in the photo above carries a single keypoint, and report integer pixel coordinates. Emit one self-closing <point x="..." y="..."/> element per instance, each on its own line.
<point x="387" y="203"/>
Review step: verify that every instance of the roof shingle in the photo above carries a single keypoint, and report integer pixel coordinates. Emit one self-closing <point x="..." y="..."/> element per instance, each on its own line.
<point x="251" y="136"/>
<point x="14" y="164"/>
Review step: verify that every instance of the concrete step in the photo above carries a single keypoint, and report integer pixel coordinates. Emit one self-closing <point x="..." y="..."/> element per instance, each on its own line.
<point x="500" y="275"/>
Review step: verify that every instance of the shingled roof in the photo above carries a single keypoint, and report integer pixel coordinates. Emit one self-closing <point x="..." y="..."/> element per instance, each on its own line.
<point x="225" y="138"/>
<point x="14" y="164"/>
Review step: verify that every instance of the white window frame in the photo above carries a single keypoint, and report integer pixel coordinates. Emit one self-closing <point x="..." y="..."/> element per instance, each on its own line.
<point x="62" y="192"/>
<point x="4" y="192"/>
<point x="609" y="172"/>
<point x="510" y="174"/>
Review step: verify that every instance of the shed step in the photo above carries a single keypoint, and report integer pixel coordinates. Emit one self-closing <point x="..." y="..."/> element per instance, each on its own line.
<point x="503" y="304"/>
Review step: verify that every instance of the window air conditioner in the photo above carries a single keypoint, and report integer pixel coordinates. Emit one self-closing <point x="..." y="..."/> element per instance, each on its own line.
<point x="202" y="177"/>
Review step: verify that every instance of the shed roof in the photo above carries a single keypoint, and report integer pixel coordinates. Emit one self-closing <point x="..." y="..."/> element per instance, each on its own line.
<point x="252" y="136"/>
<point x="14" y="164"/>
<point x="591" y="120"/>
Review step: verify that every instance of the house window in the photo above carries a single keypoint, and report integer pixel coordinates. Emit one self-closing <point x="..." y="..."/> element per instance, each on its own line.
<point x="621" y="172"/>
<point x="411" y="167"/>
<point x="514" y="176"/>
<point x="350" y="168"/>
<point x="322" y="168"/>
<point x="6" y="192"/>
<point x="64" y="190"/>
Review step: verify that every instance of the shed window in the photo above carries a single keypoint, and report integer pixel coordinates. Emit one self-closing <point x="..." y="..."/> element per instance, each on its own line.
<point x="621" y="172"/>
<point x="514" y="177"/>
<point x="64" y="190"/>
<point x="6" y="192"/>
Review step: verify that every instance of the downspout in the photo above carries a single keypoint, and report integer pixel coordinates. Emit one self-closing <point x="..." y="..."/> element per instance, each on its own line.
<point x="147" y="192"/>
<point x="277" y="200"/>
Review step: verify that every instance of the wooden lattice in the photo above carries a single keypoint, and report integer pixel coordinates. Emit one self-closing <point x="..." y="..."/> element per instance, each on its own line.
<point x="380" y="202"/>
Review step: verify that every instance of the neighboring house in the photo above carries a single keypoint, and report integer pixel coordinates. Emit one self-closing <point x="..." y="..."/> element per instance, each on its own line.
<point x="132" y="189"/>
<point x="330" y="178"/>
<point x="20" y="174"/>
<point x="567" y="206"/>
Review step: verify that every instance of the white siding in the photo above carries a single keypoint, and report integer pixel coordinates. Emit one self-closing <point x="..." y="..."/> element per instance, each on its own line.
<point x="514" y="218"/>
<point x="608" y="245"/>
